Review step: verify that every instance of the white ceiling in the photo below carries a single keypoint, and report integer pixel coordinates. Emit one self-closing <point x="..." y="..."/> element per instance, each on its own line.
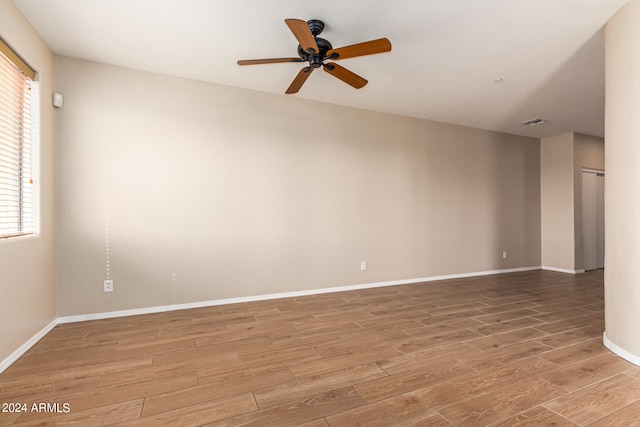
<point x="446" y="54"/>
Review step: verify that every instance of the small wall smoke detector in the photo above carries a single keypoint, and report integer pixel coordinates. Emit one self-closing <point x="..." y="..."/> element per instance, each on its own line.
<point x="532" y="122"/>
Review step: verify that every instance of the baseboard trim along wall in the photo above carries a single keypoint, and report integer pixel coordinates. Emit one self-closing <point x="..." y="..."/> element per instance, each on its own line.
<point x="265" y="297"/>
<point x="562" y="270"/>
<point x="619" y="351"/>
<point x="26" y="346"/>
<point x="160" y="309"/>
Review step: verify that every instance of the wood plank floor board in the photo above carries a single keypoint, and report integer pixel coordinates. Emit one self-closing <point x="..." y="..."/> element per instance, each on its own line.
<point x="192" y="366"/>
<point x="366" y="355"/>
<point x="422" y="358"/>
<point x="633" y="372"/>
<point x="495" y="378"/>
<point x="596" y="307"/>
<point x="138" y="387"/>
<point x="437" y="371"/>
<point x="407" y="408"/>
<point x="512" y="349"/>
<point x="352" y="340"/>
<point x="26" y="366"/>
<point x="501" y="355"/>
<point x="10" y="418"/>
<point x="550" y="314"/>
<point x="95" y="417"/>
<point x="181" y="332"/>
<point x="507" y="325"/>
<point x="352" y="316"/>
<point x="408" y="306"/>
<point x="216" y="387"/>
<point x="538" y="416"/>
<point x="567" y="324"/>
<point x="95" y="400"/>
<point x="575" y="353"/>
<point x="315" y="423"/>
<point x="441" y="338"/>
<point x="45" y="347"/>
<point x="89" y="357"/>
<point x="587" y="372"/>
<point x="298" y="353"/>
<point x="571" y="336"/>
<point x="421" y="331"/>
<point x="246" y="372"/>
<point x="259" y="327"/>
<point x="443" y="318"/>
<point x="227" y="336"/>
<point x="202" y="354"/>
<point x="222" y="319"/>
<point x="311" y="384"/>
<point x="76" y="350"/>
<point x="285" y="317"/>
<point x="316" y="342"/>
<point x="457" y="308"/>
<point x="627" y="416"/>
<point x="506" y="338"/>
<point x="382" y="323"/>
<point x="597" y="400"/>
<point x="16" y="384"/>
<point x="495" y="406"/>
<point x="391" y="335"/>
<point x="325" y="325"/>
<point x="504" y="316"/>
<point x="505" y="300"/>
<point x="432" y="421"/>
<point x="195" y="331"/>
<point x="298" y="411"/>
<point x="233" y="345"/>
<point x="512" y="306"/>
<point x="204" y="413"/>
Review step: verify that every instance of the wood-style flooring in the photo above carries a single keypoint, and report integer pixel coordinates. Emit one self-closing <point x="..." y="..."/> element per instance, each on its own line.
<point x="511" y="349"/>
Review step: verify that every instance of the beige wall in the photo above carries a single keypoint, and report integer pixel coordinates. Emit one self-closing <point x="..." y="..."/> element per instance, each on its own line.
<point x="588" y="153"/>
<point x="556" y="199"/>
<point x="213" y="192"/>
<point x="562" y="158"/>
<point x="622" y="192"/>
<point x="27" y="265"/>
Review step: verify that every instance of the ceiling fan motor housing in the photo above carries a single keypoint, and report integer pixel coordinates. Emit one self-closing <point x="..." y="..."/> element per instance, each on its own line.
<point x="315" y="60"/>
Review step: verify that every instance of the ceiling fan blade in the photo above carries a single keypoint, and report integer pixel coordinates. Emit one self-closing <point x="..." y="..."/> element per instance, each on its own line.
<point x="301" y="31"/>
<point x="268" y="61"/>
<point x="360" y="49"/>
<point x="299" y="80"/>
<point x="349" y="77"/>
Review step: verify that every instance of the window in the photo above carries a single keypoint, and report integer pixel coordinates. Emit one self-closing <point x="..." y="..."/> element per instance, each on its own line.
<point x="16" y="180"/>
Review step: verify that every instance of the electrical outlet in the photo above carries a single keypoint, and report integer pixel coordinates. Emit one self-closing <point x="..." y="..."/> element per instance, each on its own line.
<point x="504" y="254"/>
<point x="108" y="285"/>
<point x="363" y="265"/>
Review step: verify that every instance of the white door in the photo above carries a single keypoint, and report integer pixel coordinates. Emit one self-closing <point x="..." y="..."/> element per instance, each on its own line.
<point x="593" y="220"/>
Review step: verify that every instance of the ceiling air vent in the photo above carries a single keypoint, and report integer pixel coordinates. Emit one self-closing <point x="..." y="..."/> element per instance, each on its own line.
<point x="532" y="122"/>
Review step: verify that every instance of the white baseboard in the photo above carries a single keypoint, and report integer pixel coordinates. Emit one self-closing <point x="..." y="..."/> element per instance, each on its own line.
<point x="165" y="308"/>
<point x="620" y="351"/>
<point x="26" y="346"/>
<point x="265" y="297"/>
<point x="562" y="270"/>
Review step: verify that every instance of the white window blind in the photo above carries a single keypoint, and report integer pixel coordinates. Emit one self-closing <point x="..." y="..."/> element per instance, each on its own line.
<point x="16" y="184"/>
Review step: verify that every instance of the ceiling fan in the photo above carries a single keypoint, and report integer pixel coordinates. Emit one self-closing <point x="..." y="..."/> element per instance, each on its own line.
<point x="316" y="51"/>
